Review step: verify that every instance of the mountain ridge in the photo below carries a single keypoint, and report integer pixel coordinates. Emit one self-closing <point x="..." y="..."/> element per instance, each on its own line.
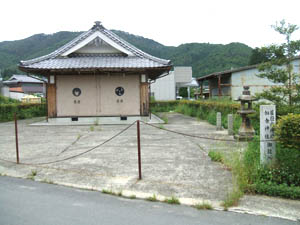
<point x="204" y="58"/>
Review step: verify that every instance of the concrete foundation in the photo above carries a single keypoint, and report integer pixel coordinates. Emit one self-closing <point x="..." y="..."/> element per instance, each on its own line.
<point x="106" y="120"/>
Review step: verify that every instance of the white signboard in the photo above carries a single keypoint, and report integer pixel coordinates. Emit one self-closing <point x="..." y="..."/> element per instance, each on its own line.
<point x="267" y="143"/>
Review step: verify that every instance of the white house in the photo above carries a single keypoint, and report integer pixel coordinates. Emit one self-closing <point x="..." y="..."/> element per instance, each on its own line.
<point x="230" y="82"/>
<point x="167" y="87"/>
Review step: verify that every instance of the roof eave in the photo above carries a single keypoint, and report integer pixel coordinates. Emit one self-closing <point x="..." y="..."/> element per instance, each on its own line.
<point x="92" y="70"/>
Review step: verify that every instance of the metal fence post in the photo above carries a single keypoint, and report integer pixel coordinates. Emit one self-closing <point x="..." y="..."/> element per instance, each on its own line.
<point x="139" y="149"/>
<point x="16" y="134"/>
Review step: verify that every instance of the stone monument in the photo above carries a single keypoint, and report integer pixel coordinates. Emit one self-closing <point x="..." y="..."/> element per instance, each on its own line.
<point x="267" y="143"/>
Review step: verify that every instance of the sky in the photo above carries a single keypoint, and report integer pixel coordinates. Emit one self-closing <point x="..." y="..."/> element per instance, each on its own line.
<point x="169" y="22"/>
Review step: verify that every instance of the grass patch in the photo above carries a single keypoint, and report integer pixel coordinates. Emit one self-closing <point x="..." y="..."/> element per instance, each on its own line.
<point x="161" y="127"/>
<point x="92" y="128"/>
<point x="203" y="206"/>
<point x="132" y="196"/>
<point x="215" y="156"/>
<point x="233" y="161"/>
<point x="109" y="192"/>
<point x="165" y="118"/>
<point x="232" y="198"/>
<point x="32" y="175"/>
<point x="152" y="198"/>
<point x="172" y="200"/>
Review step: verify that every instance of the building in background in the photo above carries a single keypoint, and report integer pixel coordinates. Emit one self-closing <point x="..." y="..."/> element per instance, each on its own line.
<point x="22" y="85"/>
<point x="4" y="89"/>
<point x="230" y="83"/>
<point x="167" y="87"/>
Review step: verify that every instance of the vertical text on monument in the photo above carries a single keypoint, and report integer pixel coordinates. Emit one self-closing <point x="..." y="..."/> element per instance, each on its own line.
<point x="267" y="143"/>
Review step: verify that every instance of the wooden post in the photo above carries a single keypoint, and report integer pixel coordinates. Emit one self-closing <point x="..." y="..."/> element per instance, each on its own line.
<point x="219" y="86"/>
<point x="201" y="90"/>
<point x="16" y="134"/>
<point x="139" y="149"/>
<point x="209" y="86"/>
<point x="46" y="85"/>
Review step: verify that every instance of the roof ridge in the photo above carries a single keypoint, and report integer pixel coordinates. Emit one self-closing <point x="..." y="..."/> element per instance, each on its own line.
<point x="60" y="50"/>
<point x="134" y="49"/>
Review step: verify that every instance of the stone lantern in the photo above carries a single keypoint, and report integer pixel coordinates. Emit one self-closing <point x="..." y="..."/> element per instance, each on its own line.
<point x="246" y="131"/>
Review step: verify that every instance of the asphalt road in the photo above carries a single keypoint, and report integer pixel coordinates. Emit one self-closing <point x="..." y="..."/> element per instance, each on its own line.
<point x="25" y="202"/>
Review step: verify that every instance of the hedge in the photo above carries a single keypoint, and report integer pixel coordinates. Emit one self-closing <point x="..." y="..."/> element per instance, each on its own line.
<point x="206" y="104"/>
<point x="277" y="190"/>
<point x="206" y="110"/>
<point x="23" y="110"/>
<point x="287" y="131"/>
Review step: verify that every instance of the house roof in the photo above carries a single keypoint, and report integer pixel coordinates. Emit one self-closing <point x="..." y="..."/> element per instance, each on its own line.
<point x="16" y="78"/>
<point x="232" y="71"/>
<point x="71" y="56"/>
<point x="226" y="72"/>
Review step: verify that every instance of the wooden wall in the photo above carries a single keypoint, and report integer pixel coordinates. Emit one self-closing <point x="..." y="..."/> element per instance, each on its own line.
<point x="144" y="94"/>
<point x="51" y="100"/>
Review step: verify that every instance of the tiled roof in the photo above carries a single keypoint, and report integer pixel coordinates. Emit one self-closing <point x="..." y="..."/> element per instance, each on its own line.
<point x="22" y="79"/>
<point x="55" y="60"/>
<point x="96" y="62"/>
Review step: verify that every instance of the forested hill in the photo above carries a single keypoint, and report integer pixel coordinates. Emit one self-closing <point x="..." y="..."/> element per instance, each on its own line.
<point x="205" y="58"/>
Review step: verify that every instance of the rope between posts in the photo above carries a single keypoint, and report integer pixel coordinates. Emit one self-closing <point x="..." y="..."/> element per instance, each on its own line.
<point x="122" y="131"/>
<point x="203" y="137"/>
<point x="188" y="135"/>
<point x="74" y="156"/>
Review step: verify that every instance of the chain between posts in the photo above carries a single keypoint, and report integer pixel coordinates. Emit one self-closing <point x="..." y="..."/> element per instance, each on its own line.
<point x="74" y="156"/>
<point x="203" y="137"/>
<point x="119" y="133"/>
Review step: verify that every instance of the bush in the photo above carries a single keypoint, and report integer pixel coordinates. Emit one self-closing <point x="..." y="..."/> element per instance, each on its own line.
<point x="203" y="109"/>
<point x="277" y="190"/>
<point x="280" y="179"/>
<point x="286" y="170"/>
<point x="6" y="100"/>
<point x="287" y="131"/>
<point x="23" y="111"/>
<point x="163" y="106"/>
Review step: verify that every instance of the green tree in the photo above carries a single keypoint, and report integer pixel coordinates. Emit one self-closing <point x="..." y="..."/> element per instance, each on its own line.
<point x="279" y="67"/>
<point x="258" y="55"/>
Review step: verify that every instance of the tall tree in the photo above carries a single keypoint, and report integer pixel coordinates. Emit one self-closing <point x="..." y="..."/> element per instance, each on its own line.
<point x="279" y="67"/>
